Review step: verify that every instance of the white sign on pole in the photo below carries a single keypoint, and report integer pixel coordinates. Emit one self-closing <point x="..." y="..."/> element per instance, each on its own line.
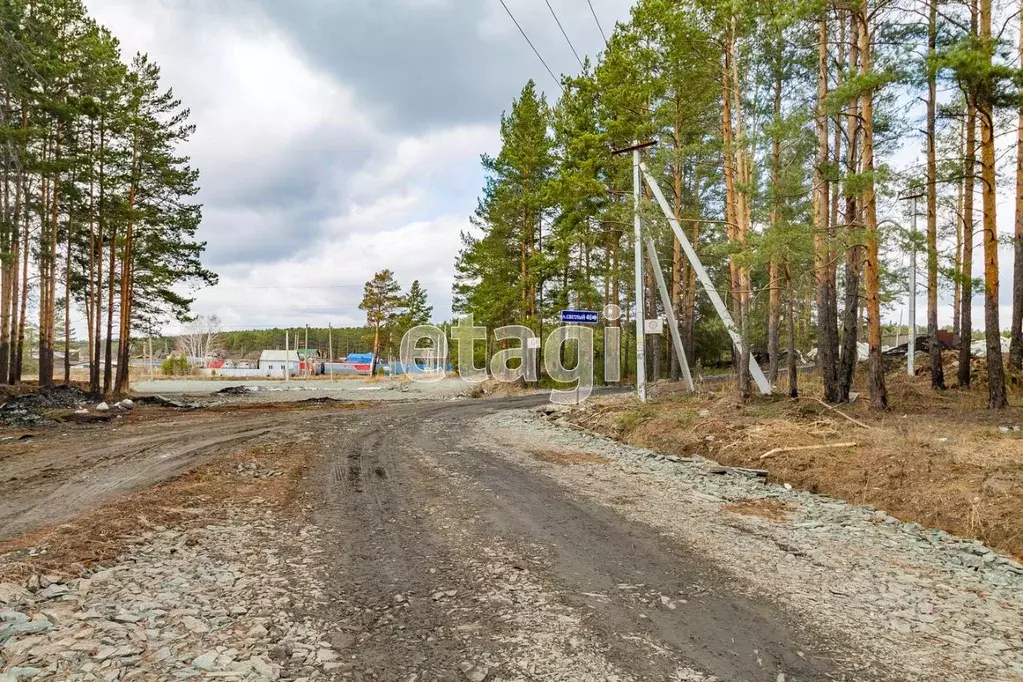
<point x="532" y="342"/>
<point x="654" y="326"/>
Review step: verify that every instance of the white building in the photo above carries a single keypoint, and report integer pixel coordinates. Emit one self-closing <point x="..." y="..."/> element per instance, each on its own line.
<point x="274" y="362"/>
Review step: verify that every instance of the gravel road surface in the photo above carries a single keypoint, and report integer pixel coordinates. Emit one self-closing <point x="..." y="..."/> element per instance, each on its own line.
<point x="484" y="540"/>
<point x="449" y="559"/>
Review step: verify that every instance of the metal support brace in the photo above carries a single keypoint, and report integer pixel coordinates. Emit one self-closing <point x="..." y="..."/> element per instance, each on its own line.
<point x="705" y="280"/>
<point x="676" y="338"/>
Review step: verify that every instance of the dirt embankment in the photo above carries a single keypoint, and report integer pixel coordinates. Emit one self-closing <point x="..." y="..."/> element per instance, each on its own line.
<point x="57" y="471"/>
<point x="940" y="459"/>
<point x="267" y="474"/>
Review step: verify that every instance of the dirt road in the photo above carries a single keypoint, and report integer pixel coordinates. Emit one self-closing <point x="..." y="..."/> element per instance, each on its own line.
<point x="475" y="540"/>
<point x="412" y="506"/>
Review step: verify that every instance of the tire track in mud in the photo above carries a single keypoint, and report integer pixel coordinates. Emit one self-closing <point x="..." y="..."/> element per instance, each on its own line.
<point x="417" y="516"/>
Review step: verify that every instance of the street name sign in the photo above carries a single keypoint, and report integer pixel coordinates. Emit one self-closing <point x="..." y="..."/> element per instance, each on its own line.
<point x="579" y="317"/>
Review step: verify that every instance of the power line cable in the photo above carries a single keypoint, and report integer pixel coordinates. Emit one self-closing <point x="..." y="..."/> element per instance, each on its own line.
<point x="535" y="51"/>
<point x="567" y="40"/>
<point x="595" y="19"/>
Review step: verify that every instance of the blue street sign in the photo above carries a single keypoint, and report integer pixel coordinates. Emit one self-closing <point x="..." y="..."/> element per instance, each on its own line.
<point x="579" y="317"/>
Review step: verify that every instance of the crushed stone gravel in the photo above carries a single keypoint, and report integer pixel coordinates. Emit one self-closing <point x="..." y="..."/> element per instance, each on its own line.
<point x="931" y="605"/>
<point x="211" y="603"/>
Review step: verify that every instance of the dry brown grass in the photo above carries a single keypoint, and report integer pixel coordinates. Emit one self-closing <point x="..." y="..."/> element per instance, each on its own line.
<point x="936" y="458"/>
<point x="197" y="498"/>
<point x="565" y="458"/>
<point x="773" y="510"/>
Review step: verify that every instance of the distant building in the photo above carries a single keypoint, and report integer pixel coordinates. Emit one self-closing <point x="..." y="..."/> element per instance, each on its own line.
<point x="275" y="361"/>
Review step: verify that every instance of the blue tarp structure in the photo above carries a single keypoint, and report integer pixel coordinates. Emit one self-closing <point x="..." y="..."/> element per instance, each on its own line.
<point x="360" y="358"/>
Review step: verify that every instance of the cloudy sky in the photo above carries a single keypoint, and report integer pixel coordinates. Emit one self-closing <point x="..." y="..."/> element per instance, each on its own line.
<point x="339" y="137"/>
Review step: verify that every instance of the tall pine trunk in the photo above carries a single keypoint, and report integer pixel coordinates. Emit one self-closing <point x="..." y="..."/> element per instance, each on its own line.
<point x="9" y="302"/>
<point x="995" y="368"/>
<point x="19" y="348"/>
<point x="109" y="341"/>
<point x="127" y="273"/>
<point x="728" y="170"/>
<point x="878" y="390"/>
<point x="774" y="306"/>
<point x="827" y="322"/>
<point x="675" y="370"/>
<point x="1016" y="346"/>
<point x="743" y="217"/>
<point x="94" y="375"/>
<point x="854" y="256"/>
<point x="790" y="323"/>
<point x="966" y="311"/>
<point x="67" y="308"/>
<point x="957" y="284"/>
<point x="937" y="371"/>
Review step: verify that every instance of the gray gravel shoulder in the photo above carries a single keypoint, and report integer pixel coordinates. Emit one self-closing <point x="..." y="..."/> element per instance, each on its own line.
<point x="209" y="603"/>
<point x="929" y="604"/>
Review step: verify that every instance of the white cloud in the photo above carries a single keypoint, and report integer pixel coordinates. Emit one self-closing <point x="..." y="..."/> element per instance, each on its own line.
<point x="305" y="194"/>
<point x="326" y="287"/>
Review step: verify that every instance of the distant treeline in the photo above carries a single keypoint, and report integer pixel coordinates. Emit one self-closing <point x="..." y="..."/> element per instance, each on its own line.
<point x="251" y="342"/>
<point x="345" y="340"/>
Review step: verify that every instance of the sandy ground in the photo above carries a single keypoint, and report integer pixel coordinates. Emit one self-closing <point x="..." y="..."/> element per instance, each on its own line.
<point x="303" y="389"/>
<point x="63" y="471"/>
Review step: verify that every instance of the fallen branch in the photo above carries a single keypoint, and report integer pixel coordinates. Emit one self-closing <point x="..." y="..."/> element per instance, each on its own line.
<point x="826" y="446"/>
<point x="843" y="414"/>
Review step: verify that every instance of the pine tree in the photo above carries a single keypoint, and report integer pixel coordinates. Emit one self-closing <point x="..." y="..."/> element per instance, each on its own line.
<point x="937" y="370"/>
<point x="1016" y="345"/>
<point x="509" y="217"/>
<point x="89" y="177"/>
<point x="381" y="300"/>
<point x="878" y="390"/>
<point x="985" y="109"/>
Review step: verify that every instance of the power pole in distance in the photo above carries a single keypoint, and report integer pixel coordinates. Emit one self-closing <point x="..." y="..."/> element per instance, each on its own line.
<point x="912" y="194"/>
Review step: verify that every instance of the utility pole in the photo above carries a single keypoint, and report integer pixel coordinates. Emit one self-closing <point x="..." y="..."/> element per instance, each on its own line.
<point x="330" y="351"/>
<point x="287" y="354"/>
<point x="638" y="244"/>
<point x="913" y="193"/>
<point x="640" y="303"/>
<point x="911" y="356"/>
